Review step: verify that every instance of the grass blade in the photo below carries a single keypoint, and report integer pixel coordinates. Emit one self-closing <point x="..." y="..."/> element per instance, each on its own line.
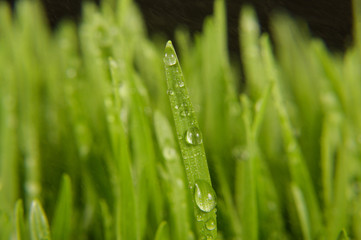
<point x="20" y="221"/>
<point x="39" y="227"/>
<point x="62" y="219"/>
<point x="176" y="188"/>
<point x="162" y="231"/>
<point x="191" y="144"/>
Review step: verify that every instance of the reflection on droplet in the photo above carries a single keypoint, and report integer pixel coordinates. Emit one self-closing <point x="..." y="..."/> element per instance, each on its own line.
<point x="211" y="224"/>
<point x="193" y="136"/>
<point x="170" y="59"/>
<point x="204" y="196"/>
<point x="170" y="92"/>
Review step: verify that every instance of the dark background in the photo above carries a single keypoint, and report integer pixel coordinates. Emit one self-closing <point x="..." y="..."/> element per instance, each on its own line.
<point x="330" y="20"/>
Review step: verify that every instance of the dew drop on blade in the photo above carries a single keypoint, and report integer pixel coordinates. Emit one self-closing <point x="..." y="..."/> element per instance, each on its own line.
<point x="204" y="196"/>
<point x="193" y="136"/>
<point x="211" y="224"/>
<point x="170" y="92"/>
<point x="170" y="59"/>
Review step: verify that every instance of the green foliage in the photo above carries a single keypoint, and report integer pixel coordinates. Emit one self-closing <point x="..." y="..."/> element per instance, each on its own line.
<point x="90" y="147"/>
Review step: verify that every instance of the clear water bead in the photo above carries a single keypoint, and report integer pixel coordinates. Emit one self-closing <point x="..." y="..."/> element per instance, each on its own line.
<point x="181" y="84"/>
<point x="184" y="113"/>
<point x="204" y="196"/>
<point x="170" y="59"/>
<point x="211" y="224"/>
<point x="193" y="136"/>
<point x="170" y="154"/>
<point x="170" y="92"/>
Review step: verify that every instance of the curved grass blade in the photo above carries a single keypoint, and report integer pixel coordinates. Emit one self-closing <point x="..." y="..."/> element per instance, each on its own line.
<point x="39" y="227"/>
<point x="191" y="145"/>
<point x="162" y="231"/>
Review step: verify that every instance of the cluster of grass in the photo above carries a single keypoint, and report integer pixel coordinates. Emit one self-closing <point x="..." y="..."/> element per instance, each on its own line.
<point x="93" y="147"/>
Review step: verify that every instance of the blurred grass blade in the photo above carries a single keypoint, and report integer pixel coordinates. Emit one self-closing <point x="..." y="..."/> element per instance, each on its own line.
<point x="21" y="233"/>
<point x="107" y="221"/>
<point x="245" y="181"/>
<point x="128" y="225"/>
<point x="296" y="164"/>
<point x="177" y="190"/>
<point x="62" y="222"/>
<point x="191" y="144"/>
<point x="343" y="235"/>
<point x="39" y="227"/>
<point x="162" y="232"/>
<point x="302" y="211"/>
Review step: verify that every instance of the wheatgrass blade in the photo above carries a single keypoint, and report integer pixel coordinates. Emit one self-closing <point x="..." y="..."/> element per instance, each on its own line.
<point x="178" y="195"/>
<point x="124" y="190"/>
<point x="62" y="222"/>
<point x="302" y="211"/>
<point x="143" y="152"/>
<point x="9" y="142"/>
<point x="338" y="216"/>
<point x="249" y="34"/>
<point x="162" y="231"/>
<point x="270" y="220"/>
<point x="343" y="235"/>
<point x="20" y="229"/>
<point x="191" y="144"/>
<point x="107" y="221"/>
<point x="300" y="68"/>
<point x="246" y="170"/>
<point x="26" y="46"/>
<point x="296" y="165"/>
<point x="38" y="223"/>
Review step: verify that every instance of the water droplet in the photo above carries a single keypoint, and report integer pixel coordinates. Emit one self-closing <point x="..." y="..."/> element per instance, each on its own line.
<point x="170" y="92"/>
<point x="184" y="104"/>
<point x="193" y="136"/>
<point x="204" y="196"/>
<point x="176" y="107"/>
<point x="184" y="113"/>
<point x="211" y="224"/>
<point x="169" y="153"/>
<point x="170" y="59"/>
<point x="209" y="237"/>
<point x="181" y="84"/>
<point x="199" y="217"/>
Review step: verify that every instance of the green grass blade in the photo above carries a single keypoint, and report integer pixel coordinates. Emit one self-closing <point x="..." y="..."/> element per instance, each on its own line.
<point x="343" y="235"/>
<point x="191" y="144"/>
<point x="177" y="190"/>
<point x="20" y="221"/>
<point x="63" y="217"/>
<point x="245" y="180"/>
<point x="296" y="164"/>
<point x="302" y="211"/>
<point x="162" y="231"/>
<point x="125" y="193"/>
<point x="39" y="227"/>
<point x="107" y="221"/>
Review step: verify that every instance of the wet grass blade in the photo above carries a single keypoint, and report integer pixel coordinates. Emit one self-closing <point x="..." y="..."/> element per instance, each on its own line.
<point x="191" y="144"/>
<point x="39" y="226"/>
